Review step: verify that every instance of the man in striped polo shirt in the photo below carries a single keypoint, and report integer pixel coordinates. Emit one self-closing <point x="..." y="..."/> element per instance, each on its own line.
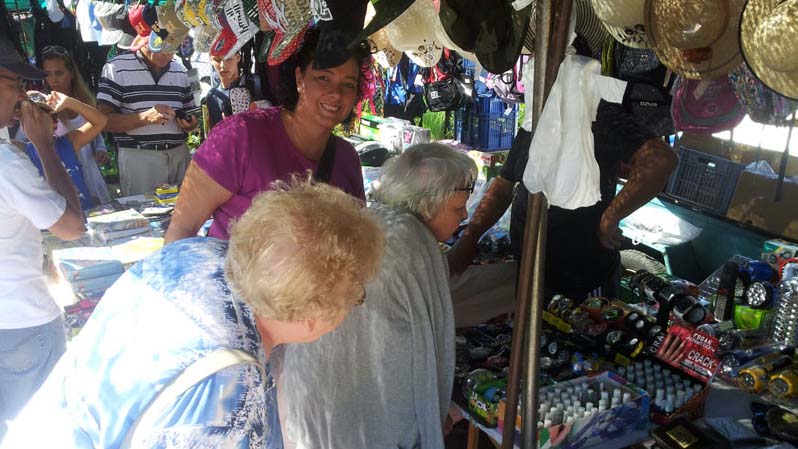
<point x="141" y="92"/>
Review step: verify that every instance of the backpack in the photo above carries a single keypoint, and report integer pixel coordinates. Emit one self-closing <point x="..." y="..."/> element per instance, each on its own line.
<point x="705" y="106"/>
<point x="761" y="103"/>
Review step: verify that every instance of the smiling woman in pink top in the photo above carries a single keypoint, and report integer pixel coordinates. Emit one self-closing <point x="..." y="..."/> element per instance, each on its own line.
<point x="246" y="153"/>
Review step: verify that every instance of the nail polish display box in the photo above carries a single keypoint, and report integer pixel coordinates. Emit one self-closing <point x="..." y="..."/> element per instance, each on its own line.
<point x="604" y="429"/>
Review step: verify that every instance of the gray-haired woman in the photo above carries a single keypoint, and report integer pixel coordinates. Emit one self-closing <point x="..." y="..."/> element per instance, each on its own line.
<point x="384" y="378"/>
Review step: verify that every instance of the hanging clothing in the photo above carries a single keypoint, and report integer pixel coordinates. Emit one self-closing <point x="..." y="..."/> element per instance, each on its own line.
<point x="561" y="157"/>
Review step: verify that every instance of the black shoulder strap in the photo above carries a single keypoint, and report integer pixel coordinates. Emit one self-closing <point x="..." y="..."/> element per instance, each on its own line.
<point x="324" y="173"/>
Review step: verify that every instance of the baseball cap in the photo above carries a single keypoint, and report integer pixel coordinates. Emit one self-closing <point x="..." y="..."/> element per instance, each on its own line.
<point x="11" y="60"/>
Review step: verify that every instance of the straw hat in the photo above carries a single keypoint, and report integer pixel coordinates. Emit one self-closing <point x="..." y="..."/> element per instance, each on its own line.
<point x="384" y="53"/>
<point x="769" y="40"/>
<point x="697" y="39"/>
<point x="624" y="20"/>
<point x="587" y="25"/>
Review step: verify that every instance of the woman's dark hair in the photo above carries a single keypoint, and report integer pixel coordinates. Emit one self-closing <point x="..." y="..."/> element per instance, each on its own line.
<point x="304" y="57"/>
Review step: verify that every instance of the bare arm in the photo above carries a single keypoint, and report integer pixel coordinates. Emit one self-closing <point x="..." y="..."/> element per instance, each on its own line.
<point x="493" y="205"/>
<point x="650" y="168"/>
<point x="120" y="123"/>
<point x="199" y="196"/>
<point x="96" y="120"/>
<point x="39" y="128"/>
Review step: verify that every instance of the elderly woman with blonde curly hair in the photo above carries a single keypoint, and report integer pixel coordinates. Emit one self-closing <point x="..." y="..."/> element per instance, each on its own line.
<point x="384" y="378"/>
<point x="177" y="352"/>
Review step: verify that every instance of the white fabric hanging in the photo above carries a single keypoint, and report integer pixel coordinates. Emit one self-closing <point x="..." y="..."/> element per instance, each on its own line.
<point x="561" y="162"/>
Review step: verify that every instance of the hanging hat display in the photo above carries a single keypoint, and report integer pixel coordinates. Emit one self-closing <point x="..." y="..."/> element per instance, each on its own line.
<point x="697" y="39"/>
<point x="289" y="19"/>
<point x="385" y="12"/>
<point x="384" y="53"/>
<point x="705" y="106"/>
<point x="587" y="25"/>
<point x="345" y="15"/>
<point x="412" y="32"/>
<point x="769" y="41"/>
<point x="761" y="103"/>
<point x="171" y="30"/>
<point x="503" y="37"/>
<point x="624" y="20"/>
<point x="494" y="31"/>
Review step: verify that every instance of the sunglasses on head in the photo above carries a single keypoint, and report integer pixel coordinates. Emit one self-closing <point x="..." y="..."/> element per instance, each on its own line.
<point x="55" y="49"/>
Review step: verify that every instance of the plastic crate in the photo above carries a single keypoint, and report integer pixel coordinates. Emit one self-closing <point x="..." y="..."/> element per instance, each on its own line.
<point x="495" y="124"/>
<point x="704" y="180"/>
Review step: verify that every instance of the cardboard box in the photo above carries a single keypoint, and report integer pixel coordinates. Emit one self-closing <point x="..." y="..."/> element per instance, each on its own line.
<point x="754" y="203"/>
<point x="370" y="126"/>
<point x="598" y="429"/>
<point x="774" y="252"/>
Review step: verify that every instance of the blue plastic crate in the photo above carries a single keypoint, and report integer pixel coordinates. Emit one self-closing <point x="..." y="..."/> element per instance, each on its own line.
<point x="495" y="124"/>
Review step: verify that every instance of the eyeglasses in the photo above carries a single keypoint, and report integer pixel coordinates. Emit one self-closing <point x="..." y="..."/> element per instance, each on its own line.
<point x="469" y="188"/>
<point x="55" y="49"/>
<point x="18" y="81"/>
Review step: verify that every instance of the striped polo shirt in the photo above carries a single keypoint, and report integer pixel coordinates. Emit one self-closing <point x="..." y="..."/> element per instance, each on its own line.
<point x="128" y="86"/>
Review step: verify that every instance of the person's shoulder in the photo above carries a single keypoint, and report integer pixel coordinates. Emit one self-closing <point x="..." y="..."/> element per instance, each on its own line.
<point x="11" y="157"/>
<point x="346" y="149"/>
<point x="176" y="67"/>
<point x="120" y="60"/>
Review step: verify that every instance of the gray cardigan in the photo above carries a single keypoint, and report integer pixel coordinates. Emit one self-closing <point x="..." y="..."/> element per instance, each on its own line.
<point x="384" y="378"/>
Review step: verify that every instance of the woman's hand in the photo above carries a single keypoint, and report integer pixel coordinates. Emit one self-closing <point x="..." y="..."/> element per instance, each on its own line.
<point x="58" y="101"/>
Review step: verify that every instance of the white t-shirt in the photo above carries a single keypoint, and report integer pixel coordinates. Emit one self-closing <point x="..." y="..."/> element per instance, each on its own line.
<point x="27" y="204"/>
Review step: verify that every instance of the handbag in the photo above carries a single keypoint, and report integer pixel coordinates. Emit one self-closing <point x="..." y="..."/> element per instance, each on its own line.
<point x="443" y="92"/>
<point x="705" y="106"/>
<point x="191" y="375"/>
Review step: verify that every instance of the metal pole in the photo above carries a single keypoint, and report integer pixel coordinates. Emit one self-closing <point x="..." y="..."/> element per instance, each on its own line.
<point x="551" y="42"/>
<point x="520" y="326"/>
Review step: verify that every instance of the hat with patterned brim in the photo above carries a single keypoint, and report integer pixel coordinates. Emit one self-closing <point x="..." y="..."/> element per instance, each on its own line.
<point x="769" y="41"/>
<point x="289" y="19"/>
<point x="588" y="26"/>
<point x="698" y="39"/>
<point x="624" y="20"/>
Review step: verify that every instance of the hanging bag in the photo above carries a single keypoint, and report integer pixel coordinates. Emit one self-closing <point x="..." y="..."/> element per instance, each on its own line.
<point x="442" y="92"/>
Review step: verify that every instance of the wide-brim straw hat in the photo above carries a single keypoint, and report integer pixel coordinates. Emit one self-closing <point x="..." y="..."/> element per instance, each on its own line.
<point x="769" y="41"/>
<point x="588" y="26"/>
<point x="698" y="39"/>
<point x="624" y="20"/>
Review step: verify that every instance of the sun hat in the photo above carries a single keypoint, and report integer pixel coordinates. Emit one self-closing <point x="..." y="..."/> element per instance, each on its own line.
<point x="383" y="51"/>
<point x="344" y="15"/>
<point x="762" y="104"/>
<point x="705" y="106"/>
<point x="289" y="19"/>
<point x="412" y="33"/>
<point x="11" y="60"/>
<point x="697" y="39"/>
<point x="624" y="20"/>
<point x="587" y="25"/>
<point x="504" y="35"/>
<point x="769" y="39"/>
<point x="386" y="11"/>
<point x="237" y="29"/>
<point x="172" y="31"/>
<point x="186" y="13"/>
<point x="204" y="37"/>
<point x="105" y="12"/>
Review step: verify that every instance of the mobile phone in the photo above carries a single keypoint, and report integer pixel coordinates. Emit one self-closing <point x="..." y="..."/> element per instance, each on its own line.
<point x="186" y="113"/>
<point x="40" y="100"/>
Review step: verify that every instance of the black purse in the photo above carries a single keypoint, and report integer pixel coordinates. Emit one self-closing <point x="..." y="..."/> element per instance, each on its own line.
<point x="447" y="92"/>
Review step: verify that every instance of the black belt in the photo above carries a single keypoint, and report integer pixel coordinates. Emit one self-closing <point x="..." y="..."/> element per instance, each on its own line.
<point x="160" y="147"/>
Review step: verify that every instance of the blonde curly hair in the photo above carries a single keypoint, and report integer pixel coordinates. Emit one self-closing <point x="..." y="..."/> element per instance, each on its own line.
<point x="303" y="250"/>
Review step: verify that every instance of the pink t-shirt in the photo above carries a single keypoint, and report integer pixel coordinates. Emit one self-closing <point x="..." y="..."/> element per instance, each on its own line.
<point x="245" y="153"/>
